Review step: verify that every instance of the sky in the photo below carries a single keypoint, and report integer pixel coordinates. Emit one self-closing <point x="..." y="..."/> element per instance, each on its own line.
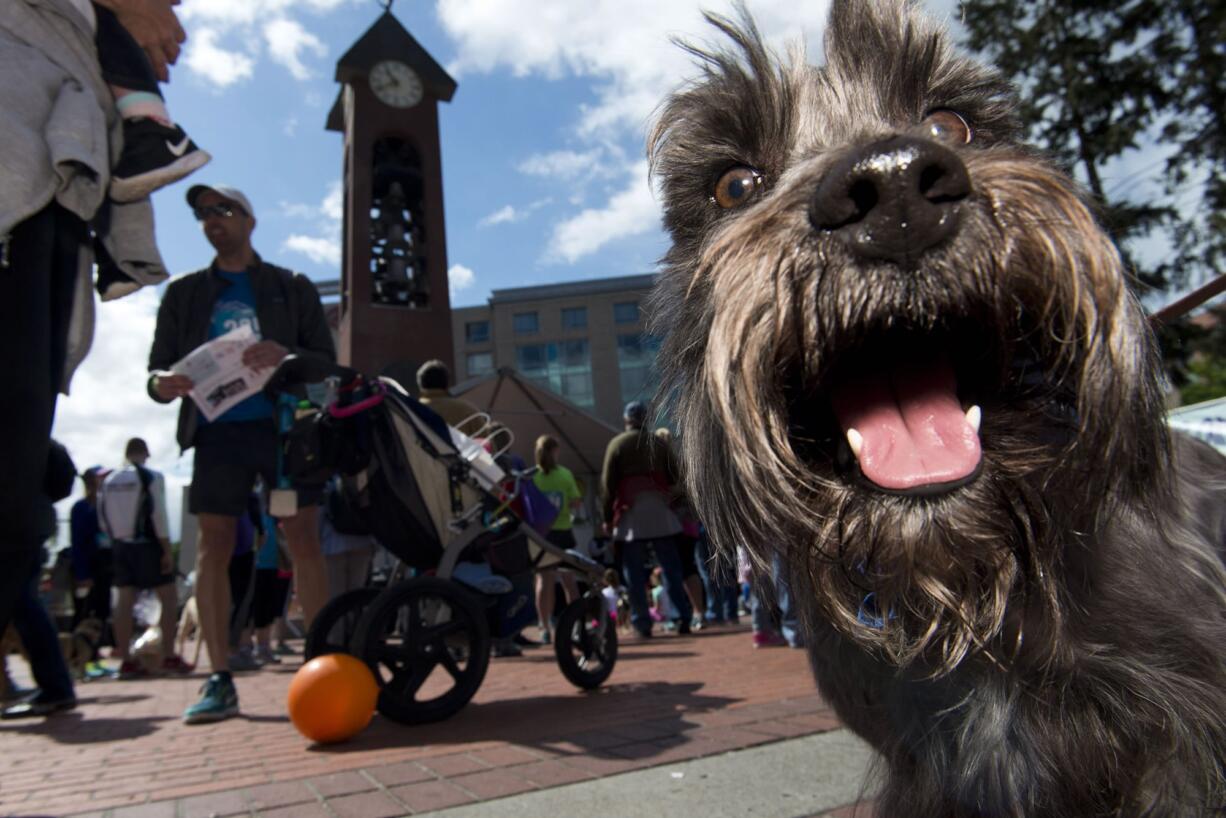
<point x="544" y="170"/>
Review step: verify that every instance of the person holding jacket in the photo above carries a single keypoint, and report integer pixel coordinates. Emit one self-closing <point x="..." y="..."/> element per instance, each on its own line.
<point x="62" y="135"/>
<point x="284" y="311"/>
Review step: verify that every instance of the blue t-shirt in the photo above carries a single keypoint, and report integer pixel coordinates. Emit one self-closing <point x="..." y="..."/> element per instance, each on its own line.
<point x="266" y="557"/>
<point x="235" y="306"/>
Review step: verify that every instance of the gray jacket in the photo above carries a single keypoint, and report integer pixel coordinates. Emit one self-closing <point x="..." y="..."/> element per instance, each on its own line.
<point x="61" y="136"/>
<point x="286" y="304"/>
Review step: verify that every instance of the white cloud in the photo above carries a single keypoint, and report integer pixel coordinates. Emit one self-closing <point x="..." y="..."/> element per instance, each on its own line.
<point x="268" y="28"/>
<point x="505" y="215"/>
<point x="333" y="205"/>
<point x="290" y="128"/>
<point x="624" y="44"/>
<point x="624" y="48"/>
<point x="233" y="13"/>
<point x="564" y="165"/>
<point x="221" y="67"/>
<point x="323" y="244"/>
<point x="628" y="213"/>
<point x="459" y="278"/>
<point x="286" y="40"/>
<point x="317" y="249"/>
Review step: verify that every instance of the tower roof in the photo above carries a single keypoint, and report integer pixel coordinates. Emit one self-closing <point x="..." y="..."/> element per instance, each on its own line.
<point x="387" y="39"/>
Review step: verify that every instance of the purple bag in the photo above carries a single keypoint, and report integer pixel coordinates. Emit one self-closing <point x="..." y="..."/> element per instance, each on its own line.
<point x="534" y="508"/>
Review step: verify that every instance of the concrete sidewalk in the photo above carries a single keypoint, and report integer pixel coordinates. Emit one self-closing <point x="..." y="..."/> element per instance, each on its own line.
<point x="796" y="777"/>
<point x="125" y="753"/>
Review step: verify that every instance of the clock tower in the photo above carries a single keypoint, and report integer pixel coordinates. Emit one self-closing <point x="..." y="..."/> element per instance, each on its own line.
<point x="395" y="309"/>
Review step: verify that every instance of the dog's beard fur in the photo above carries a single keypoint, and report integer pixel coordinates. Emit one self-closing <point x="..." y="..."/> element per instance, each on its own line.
<point x="1074" y="585"/>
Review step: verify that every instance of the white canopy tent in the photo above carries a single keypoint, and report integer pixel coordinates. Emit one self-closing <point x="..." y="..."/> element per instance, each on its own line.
<point x="1205" y="421"/>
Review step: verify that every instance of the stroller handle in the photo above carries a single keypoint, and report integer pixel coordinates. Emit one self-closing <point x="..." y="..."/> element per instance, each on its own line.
<point x="361" y="406"/>
<point x="295" y="371"/>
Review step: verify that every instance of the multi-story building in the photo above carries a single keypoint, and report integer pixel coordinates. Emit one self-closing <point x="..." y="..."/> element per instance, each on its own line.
<point x="585" y="340"/>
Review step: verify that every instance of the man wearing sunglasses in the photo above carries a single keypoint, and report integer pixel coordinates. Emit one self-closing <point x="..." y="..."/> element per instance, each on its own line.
<point x="284" y="310"/>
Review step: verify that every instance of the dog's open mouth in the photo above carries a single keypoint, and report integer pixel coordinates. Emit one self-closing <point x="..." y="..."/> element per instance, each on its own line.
<point x="901" y="411"/>
<point x="905" y="424"/>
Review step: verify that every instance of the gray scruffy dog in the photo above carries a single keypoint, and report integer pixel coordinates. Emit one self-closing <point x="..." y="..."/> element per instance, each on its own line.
<point x="902" y="353"/>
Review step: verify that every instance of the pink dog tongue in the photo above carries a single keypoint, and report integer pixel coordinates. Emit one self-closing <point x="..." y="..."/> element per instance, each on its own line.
<point x="914" y="429"/>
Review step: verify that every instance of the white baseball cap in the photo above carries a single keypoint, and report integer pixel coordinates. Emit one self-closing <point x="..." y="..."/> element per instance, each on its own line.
<point x="225" y="191"/>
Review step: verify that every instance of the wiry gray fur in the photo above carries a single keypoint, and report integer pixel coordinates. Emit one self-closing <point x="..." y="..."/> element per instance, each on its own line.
<point x="1056" y="638"/>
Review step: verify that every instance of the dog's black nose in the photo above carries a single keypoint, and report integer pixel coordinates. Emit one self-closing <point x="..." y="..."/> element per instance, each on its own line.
<point x="892" y="200"/>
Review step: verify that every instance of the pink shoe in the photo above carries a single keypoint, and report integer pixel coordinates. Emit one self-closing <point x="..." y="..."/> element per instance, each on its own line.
<point x="768" y="639"/>
<point x="175" y="665"/>
<point x="132" y="669"/>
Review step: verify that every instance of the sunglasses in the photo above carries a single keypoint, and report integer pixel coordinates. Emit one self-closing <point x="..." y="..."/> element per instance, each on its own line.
<point x="225" y="211"/>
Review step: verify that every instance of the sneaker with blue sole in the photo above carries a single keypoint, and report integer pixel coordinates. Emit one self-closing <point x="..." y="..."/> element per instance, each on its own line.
<point x="218" y="701"/>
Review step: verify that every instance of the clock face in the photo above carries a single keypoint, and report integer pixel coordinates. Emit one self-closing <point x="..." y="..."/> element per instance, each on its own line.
<point x="395" y="84"/>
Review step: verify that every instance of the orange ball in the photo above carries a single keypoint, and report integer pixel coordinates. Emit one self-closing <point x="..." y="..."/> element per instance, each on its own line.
<point x="332" y="698"/>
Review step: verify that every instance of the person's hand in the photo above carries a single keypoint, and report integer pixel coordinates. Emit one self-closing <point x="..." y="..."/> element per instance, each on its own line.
<point x="168" y="385"/>
<point x="155" y="27"/>
<point x="264" y="355"/>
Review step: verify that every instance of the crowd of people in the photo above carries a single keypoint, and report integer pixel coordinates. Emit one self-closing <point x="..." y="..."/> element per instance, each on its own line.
<point x="83" y="82"/>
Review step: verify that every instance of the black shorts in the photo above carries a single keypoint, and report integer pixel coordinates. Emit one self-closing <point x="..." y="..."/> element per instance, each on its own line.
<point x="685" y="550"/>
<point x="229" y="457"/>
<point x="271" y="593"/>
<point x="139" y="565"/>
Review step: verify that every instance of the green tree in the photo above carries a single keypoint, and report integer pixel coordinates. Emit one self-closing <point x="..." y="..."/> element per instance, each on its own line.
<point x="1100" y="79"/>
<point x="1207" y="380"/>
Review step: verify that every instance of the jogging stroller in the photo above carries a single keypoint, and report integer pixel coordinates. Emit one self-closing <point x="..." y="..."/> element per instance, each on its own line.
<point x="460" y="519"/>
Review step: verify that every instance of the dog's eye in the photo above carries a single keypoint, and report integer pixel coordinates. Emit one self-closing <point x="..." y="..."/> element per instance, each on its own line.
<point x="736" y="187"/>
<point x="947" y="126"/>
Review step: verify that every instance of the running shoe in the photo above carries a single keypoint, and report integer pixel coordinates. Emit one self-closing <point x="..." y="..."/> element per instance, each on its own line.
<point x="153" y="156"/>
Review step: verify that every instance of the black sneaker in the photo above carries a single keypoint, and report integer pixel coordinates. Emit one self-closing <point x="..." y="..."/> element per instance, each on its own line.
<point x="153" y="157"/>
<point x="40" y="705"/>
<point x="504" y="648"/>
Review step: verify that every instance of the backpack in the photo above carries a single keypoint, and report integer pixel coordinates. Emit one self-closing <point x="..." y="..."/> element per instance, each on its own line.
<point x="144" y="512"/>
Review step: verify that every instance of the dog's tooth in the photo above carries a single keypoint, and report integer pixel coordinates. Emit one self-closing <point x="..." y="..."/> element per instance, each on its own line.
<point x="973" y="416"/>
<point x="855" y="440"/>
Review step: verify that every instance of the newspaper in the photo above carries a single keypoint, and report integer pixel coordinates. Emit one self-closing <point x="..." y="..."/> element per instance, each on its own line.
<point x="220" y="380"/>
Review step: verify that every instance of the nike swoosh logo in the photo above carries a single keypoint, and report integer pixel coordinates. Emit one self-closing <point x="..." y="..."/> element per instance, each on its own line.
<point x="179" y="149"/>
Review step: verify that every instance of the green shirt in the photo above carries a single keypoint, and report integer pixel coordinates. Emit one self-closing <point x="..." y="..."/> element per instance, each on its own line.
<point x="562" y="490"/>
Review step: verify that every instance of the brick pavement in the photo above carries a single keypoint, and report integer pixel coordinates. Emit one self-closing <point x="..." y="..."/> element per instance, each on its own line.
<point x="124" y="751"/>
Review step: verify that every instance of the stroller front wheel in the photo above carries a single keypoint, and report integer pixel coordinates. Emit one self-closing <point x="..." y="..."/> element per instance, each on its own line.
<point x="428" y="643"/>
<point x="586" y="642"/>
<point x="337" y="622"/>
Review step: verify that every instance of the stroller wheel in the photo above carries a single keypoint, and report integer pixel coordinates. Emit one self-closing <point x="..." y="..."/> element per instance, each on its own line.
<point x="586" y="642"/>
<point x="335" y="624"/>
<point x="428" y="643"/>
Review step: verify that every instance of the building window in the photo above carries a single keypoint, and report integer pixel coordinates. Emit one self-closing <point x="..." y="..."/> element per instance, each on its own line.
<point x="525" y="323"/>
<point x="477" y="332"/>
<point x="636" y="365"/>
<point x="479" y="363"/>
<point x="564" y="367"/>
<point x="626" y="313"/>
<point x="574" y="318"/>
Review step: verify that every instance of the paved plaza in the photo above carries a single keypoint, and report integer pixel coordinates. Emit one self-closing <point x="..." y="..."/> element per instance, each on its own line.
<point x="696" y="721"/>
